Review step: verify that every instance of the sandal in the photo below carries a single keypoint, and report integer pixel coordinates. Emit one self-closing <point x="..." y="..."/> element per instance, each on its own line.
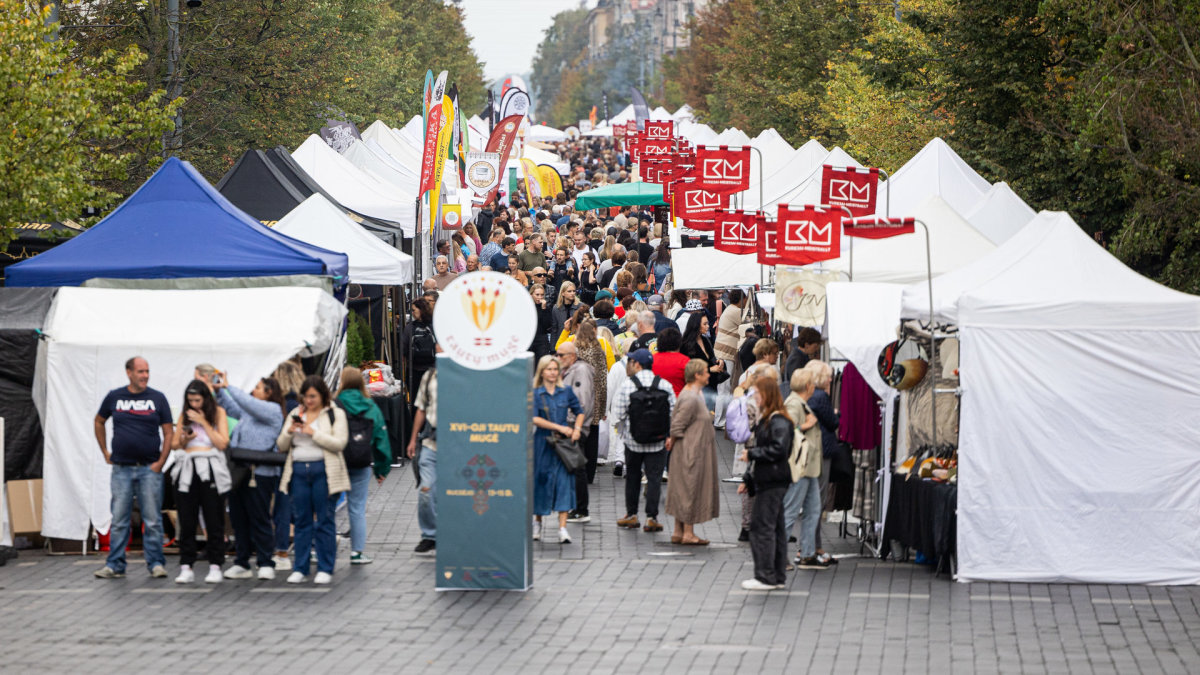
<point x="676" y="540"/>
<point x="698" y="542"/>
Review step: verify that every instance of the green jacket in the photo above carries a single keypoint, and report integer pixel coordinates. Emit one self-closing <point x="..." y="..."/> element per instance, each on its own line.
<point x="356" y="404"/>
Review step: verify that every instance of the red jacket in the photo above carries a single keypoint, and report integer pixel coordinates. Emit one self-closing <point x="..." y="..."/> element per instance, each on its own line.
<point x="669" y="366"/>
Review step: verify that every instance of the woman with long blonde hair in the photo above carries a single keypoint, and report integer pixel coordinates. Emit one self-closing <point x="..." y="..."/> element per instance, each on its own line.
<point x="556" y="411"/>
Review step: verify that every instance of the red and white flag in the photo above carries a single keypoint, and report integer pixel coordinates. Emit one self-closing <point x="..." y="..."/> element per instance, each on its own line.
<point x="721" y="169"/>
<point x="737" y="232"/>
<point x="660" y="129"/>
<point x="850" y="187"/>
<point x="768" y="241"/>
<point x="879" y="228"/>
<point x="696" y="201"/>
<point x="808" y="235"/>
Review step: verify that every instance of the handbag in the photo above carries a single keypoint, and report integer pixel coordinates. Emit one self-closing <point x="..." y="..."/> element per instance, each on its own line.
<point x="257" y="457"/>
<point x="569" y="452"/>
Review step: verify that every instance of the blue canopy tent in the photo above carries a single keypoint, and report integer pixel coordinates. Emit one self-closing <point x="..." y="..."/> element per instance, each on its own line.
<point x="176" y="226"/>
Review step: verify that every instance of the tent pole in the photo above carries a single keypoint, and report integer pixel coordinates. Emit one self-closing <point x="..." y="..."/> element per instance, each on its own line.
<point x="932" y="339"/>
<point x="761" y="206"/>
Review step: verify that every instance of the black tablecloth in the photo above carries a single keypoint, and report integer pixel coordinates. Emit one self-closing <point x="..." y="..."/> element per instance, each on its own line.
<point x="921" y="515"/>
<point x="395" y="415"/>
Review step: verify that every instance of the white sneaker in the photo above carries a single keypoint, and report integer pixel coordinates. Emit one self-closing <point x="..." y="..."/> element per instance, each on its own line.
<point x="186" y="575"/>
<point x="537" y="530"/>
<point x="238" y="572"/>
<point x="756" y="585"/>
<point x="281" y="561"/>
<point x="323" y="578"/>
<point x="266" y="573"/>
<point x="214" y="575"/>
<point x="564" y="537"/>
<point x="295" y="578"/>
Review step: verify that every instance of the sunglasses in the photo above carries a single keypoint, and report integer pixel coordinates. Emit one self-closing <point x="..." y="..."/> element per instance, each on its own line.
<point x="539" y="275"/>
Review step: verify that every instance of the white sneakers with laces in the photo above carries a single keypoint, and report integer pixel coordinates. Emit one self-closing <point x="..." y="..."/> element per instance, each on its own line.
<point x="214" y="575"/>
<point x="186" y="575"/>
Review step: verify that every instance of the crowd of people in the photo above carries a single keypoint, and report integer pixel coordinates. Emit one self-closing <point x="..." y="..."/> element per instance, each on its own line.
<point x="628" y="367"/>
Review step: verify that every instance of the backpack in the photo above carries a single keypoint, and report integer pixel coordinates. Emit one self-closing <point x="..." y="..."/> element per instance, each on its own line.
<point x="737" y="421"/>
<point x="358" y="452"/>
<point x="649" y="412"/>
<point x="424" y="346"/>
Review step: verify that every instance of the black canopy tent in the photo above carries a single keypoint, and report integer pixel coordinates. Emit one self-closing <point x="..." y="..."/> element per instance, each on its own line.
<point x="22" y="314"/>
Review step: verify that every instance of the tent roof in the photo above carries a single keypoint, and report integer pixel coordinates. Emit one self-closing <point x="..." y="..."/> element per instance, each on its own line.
<point x="786" y="178"/>
<point x="733" y="136"/>
<point x="1052" y="275"/>
<point x="685" y="112"/>
<point x="352" y="186"/>
<point x="541" y="132"/>
<point x="24" y="309"/>
<point x="935" y="170"/>
<point x="402" y="180"/>
<point x="706" y="267"/>
<point x="621" y="194"/>
<point x="808" y="190"/>
<point x="413" y="132"/>
<point x="1000" y="214"/>
<point x="174" y="226"/>
<point x="399" y="149"/>
<point x="700" y="134"/>
<point x="257" y="187"/>
<point x="320" y="223"/>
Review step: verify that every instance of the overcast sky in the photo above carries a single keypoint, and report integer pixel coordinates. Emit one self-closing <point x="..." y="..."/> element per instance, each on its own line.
<point x="506" y="34"/>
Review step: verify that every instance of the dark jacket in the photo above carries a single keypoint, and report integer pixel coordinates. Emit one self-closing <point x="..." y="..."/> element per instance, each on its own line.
<point x="706" y="354"/>
<point x="769" y="454"/>
<point x="661" y="322"/>
<point x="822" y="407"/>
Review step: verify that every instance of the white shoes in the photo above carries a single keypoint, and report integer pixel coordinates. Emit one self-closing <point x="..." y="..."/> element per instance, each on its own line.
<point x="537" y="530"/>
<point x="564" y="537"/>
<point x="186" y="575"/>
<point x="295" y="578"/>
<point x="323" y="578"/>
<point x="281" y="561"/>
<point x="238" y="572"/>
<point x="266" y="573"/>
<point x="756" y="585"/>
<point x="214" y="575"/>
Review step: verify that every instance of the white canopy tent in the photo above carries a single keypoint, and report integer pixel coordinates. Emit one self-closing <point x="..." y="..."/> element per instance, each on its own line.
<point x="318" y="222"/>
<point x="90" y="336"/>
<point x="545" y="134"/>
<point x="784" y="180"/>
<point x="733" y="136"/>
<point x="403" y="181"/>
<point x="413" y="132"/>
<point x="1000" y="214"/>
<point x="935" y="170"/>
<point x="684" y="114"/>
<point x="1079" y="415"/>
<point x="353" y="187"/>
<point x="698" y="134"/>
<point x="706" y="267"/>
<point x="398" y="149"/>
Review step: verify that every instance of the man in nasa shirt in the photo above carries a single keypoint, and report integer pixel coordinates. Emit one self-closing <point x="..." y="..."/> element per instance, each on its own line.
<point x="141" y="439"/>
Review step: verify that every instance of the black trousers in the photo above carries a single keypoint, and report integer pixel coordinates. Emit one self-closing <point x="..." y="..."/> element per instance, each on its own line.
<point x="250" y="515"/>
<point x="768" y="536"/>
<point x="201" y="497"/>
<point x="591" y="450"/>
<point x="652" y="463"/>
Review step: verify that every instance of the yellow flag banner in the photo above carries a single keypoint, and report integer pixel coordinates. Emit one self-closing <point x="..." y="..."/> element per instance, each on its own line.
<point x="551" y="181"/>
<point x="533" y="182"/>
<point x="443" y="150"/>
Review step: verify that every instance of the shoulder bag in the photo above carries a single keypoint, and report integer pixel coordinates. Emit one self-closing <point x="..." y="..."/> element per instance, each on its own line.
<point x="568" y="451"/>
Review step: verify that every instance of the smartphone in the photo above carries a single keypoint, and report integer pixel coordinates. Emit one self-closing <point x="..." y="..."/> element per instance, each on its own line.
<point x="216" y="378"/>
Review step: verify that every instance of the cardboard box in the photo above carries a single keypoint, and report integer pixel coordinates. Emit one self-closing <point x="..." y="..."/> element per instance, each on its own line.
<point x="25" y="505"/>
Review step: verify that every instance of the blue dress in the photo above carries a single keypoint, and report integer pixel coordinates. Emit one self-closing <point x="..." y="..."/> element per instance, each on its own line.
<point x="553" y="487"/>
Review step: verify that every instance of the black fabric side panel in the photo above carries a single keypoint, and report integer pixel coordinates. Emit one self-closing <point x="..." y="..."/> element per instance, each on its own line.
<point x="22" y="432"/>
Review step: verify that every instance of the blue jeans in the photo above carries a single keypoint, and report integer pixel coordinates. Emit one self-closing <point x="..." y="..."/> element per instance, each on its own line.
<point x="360" y="480"/>
<point x="310" y="497"/>
<point x="282" y="517"/>
<point x="128" y="482"/>
<point x="427" y="495"/>
<point x="804" y="493"/>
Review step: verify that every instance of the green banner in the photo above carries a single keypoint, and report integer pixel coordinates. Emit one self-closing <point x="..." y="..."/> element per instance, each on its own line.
<point x="485" y="476"/>
<point x="513" y="183"/>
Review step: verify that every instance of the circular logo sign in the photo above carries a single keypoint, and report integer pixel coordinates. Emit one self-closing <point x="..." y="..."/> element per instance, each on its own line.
<point x="483" y="320"/>
<point x="482" y="174"/>
<point x="451" y="218"/>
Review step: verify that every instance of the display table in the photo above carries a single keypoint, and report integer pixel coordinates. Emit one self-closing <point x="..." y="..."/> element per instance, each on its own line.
<point x="395" y="415"/>
<point x="921" y="514"/>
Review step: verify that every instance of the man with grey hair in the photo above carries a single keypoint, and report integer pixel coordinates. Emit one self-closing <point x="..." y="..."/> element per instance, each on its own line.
<point x="579" y="377"/>
<point x="472" y="263"/>
<point x="444" y="276"/>
<point x="647" y="336"/>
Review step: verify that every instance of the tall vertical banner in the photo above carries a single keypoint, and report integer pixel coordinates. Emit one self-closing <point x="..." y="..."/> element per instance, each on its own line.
<point x="533" y="181"/>
<point x="808" y="235"/>
<point x="737" y="232"/>
<point x="433" y="128"/>
<point x="641" y="111"/>
<point x="551" y="181"/>
<point x="485" y="322"/>
<point x="442" y="151"/>
<point x="427" y="97"/>
<point x="850" y="187"/>
<point x="721" y="169"/>
<point x="604" y="98"/>
<point x="514" y="102"/>
<point x="501" y="142"/>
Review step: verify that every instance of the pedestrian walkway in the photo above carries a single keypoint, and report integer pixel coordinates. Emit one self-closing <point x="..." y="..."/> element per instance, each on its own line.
<point x="613" y="601"/>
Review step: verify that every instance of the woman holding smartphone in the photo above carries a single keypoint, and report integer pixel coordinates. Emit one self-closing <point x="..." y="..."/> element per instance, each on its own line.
<point x="314" y="435"/>
<point x="201" y="476"/>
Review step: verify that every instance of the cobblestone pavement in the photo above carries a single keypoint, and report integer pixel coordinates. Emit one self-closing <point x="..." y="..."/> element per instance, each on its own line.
<point x="609" y="602"/>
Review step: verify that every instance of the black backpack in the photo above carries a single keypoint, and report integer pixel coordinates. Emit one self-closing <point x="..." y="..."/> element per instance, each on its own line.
<point x="358" y="452"/>
<point x="649" y="412"/>
<point x="424" y="346"/>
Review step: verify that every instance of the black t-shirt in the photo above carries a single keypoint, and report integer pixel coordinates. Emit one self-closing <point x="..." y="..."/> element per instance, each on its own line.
<point x="645" y="250"/>
<point x="136" y="421"/>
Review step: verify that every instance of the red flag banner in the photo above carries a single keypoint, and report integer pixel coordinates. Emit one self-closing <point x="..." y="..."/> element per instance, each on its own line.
<point x="808" y="235"/>
<point x="853" y="188"/>
<point x="696" y="201"/>
<point x="631" y="127"/>
<point x="619" y="131"/>
<point x="879" y="228"/>
<point x="664" y="168"/>
<point x="429" y="156"/>
<point x="501" y="141"/>
<point x="701" y="224"/>
<point x="723" y="170"/>
<point x="768" y="241"/>
<point x="660" y="129"/>
<point x="737" y="232"/>
<point x="650" y="146"/>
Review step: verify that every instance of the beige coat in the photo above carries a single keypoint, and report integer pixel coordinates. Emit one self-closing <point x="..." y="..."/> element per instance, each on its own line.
<point x="799" y="411"/>
<point x="693" y="493"/>
<point x="331" y="439"/>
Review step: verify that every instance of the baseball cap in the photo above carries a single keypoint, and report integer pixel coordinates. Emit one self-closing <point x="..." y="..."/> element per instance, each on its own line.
<point x="603" y="294"/>
<point x="654" y="301"/>
<point x="642" y="357"/>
